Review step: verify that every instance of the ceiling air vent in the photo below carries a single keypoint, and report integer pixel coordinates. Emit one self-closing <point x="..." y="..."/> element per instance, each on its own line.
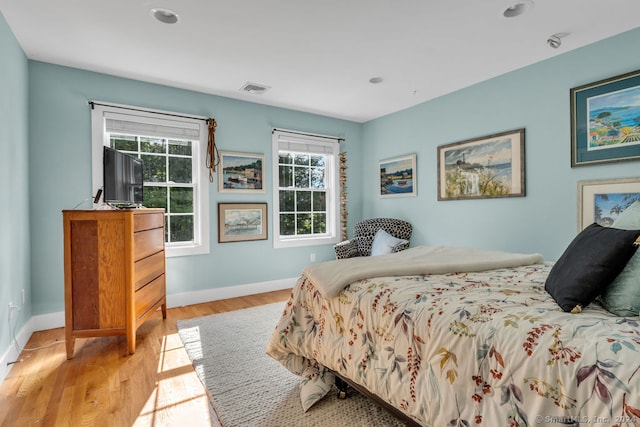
<point x="254" y="88"/>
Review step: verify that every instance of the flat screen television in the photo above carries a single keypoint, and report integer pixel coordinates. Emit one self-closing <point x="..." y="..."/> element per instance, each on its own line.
<point x="122" y="179"/>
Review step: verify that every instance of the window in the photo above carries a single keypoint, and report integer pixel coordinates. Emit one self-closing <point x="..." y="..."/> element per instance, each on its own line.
<point x="172" y="149"/>
<point x="306" y="190"/>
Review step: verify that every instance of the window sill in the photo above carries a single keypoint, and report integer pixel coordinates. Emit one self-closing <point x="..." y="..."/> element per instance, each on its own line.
<point x="176" y="251"/>
<point x="297" y="242"/>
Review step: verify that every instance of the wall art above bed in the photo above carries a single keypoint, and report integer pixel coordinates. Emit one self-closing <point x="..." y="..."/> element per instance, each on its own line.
<point x="480" y="168"/>
<point x="605" y="120"/>
<point x="601" y="201"/>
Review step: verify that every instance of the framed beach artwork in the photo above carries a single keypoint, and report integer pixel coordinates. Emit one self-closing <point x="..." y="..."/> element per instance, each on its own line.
<point x="241" y="222"/>
<point x="605" y="120"/>
<point x="398" y="177"/>
<point x="240" y="172"/>
<point x="491" y="166"/>
<point x="601" y="201"/>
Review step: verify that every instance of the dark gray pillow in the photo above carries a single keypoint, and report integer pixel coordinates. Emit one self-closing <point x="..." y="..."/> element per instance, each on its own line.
<point x="591" y="261"/>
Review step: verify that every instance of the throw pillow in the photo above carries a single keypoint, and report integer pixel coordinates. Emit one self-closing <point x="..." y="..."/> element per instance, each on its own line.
<point x="622" y="296"/>
<point x="384" y="243"/>
<point x="589" y="264"/>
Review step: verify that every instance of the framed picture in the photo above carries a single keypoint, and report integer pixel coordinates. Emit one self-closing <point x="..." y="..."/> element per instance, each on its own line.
<point x="602" y="201"/>
<point x="605" y="120"/>
<point x="240" y="172"/>
<point x="482" y="168"/>
<point x="398" y="177"/>
<point x="240" y="222"/>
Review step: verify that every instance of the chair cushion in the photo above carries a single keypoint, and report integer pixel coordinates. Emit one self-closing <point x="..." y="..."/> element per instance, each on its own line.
<point x="384" y="243"/>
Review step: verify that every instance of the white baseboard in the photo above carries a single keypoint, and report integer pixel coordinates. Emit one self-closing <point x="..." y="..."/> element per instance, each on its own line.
<point x="215" y="294"/>
<point x="11" y="354"/>
<point x="43" y="322"/>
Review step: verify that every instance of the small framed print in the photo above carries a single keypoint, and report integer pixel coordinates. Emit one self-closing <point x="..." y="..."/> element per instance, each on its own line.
<point x="241" y="222"/>
<point x="240" y="172"/>
<point x="398" y="177"/>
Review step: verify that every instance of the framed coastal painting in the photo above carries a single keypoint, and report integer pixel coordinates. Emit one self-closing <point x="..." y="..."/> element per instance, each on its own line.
<point x="601" y="201"/>
<point x="491" y="166"/>
<point x="398" y="177"/>
<point x="241" y="222"/>
<point x="240" y="172"/>
<point x="605" y="120"/>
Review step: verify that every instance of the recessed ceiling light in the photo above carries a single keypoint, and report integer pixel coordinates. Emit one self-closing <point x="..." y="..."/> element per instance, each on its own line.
<point x="376" y="80"/>
<point x="517" y="9"/>
<point x="165" y="16"/>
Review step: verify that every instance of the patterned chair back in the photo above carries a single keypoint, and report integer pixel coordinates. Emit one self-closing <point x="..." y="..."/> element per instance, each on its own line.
<point x="366" y="230"/>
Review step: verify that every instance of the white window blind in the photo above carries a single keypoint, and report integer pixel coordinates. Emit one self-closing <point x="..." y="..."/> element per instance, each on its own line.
<point x="150" y="126"/>
<point x="305" y="188"/>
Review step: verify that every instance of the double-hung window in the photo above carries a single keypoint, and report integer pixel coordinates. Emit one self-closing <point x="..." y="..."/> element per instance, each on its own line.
<point x="306" y="189"/>
<point x="172" y="148"/>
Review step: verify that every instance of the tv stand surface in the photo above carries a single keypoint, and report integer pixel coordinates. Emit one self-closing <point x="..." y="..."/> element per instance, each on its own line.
<point x="114" y="272"/>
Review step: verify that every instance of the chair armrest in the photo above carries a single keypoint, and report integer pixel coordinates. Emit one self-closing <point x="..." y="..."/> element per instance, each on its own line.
<point x="346" y="249"/>
<point x="400" y="247"/>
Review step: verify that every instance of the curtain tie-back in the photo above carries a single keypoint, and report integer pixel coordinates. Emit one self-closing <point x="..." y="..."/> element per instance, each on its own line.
<point x="213" y="157"/>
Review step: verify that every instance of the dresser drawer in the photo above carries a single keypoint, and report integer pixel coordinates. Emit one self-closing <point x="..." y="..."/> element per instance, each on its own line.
<point x="147" y="221"/>
<point x="148" y="296"/>
<point x="147" y="243"/>
<point x="147" y="269"/>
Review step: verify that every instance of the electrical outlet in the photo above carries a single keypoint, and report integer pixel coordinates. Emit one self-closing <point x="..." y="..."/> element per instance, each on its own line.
<point x="312" y="257"/>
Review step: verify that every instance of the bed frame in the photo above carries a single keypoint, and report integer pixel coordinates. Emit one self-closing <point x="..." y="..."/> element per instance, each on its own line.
<point x="343" y="384"/>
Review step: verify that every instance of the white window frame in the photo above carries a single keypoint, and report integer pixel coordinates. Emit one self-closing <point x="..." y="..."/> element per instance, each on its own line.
<point x="100" y="138"/>
<point x="308" y="144"/>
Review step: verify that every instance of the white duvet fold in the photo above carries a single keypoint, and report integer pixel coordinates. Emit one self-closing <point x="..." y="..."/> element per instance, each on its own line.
<point x="331" y="277"/>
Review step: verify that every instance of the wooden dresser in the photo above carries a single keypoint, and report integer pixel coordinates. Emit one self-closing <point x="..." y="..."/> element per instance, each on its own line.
<point x="114" y="272"/>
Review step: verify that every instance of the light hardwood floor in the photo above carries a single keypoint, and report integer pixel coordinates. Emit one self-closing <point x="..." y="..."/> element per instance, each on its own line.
<point x="104" y="386"/>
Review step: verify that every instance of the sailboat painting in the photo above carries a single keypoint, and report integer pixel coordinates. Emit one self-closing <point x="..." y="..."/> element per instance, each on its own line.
<point x="398" y="177"/>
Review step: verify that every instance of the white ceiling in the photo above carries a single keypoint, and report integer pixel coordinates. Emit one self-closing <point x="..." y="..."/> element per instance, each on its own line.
<point x="316" y="57"/>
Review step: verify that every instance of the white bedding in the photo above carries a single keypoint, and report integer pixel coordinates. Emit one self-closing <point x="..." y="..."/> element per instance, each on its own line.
<point x="331" y="277"/>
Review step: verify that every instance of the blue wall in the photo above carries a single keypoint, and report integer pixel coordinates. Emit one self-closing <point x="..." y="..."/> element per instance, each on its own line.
<point x="60" y="172"/>
<point x="536" y="98"/>
<point x="50" y="149"/>
<point x="14" y="183"/>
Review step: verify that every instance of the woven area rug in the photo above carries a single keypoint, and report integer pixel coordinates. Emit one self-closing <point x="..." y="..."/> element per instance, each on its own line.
<point x="247" y="388"/>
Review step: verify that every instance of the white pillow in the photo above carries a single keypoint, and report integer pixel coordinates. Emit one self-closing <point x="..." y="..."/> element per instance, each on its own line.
<point x="384" y="243"/>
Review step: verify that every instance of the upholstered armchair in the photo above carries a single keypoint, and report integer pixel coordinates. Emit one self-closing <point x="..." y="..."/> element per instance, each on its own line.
<point x="395" y="237"/>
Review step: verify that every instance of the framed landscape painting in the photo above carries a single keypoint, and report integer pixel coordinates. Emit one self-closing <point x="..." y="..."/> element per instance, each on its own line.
<point x="481" y="168"/>
<point x="601" y="201"/>
<point x="240" y="172"/>
<point x="605" y="120"/>
<point x="241" y="222"/>
<point x="398" y="177"/>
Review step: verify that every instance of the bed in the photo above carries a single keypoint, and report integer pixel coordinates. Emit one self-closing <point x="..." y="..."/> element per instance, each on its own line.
<point x="463" y="343"/>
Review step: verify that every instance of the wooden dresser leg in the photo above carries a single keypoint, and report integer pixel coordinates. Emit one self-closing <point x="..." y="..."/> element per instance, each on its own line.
<point x="164" y="310"/>
<point x="131" y="342"/>
<point x="70" y="344"/>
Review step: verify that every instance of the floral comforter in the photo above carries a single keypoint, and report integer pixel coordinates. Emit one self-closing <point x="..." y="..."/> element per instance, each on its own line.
<point x="487" y="348"/>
